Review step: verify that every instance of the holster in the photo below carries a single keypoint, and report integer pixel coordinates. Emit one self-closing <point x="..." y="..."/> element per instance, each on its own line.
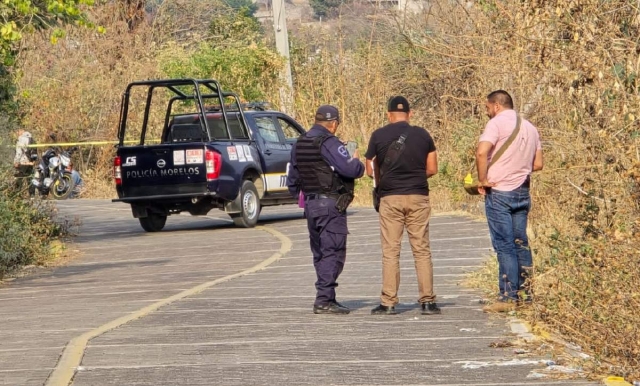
<point x="343" y="201"/>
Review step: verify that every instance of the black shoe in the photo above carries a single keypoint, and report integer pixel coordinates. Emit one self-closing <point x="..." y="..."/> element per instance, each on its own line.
<point x="340" y="305"/>
<point x="430" y="308"/>
<point x="331" y="308"/>
<point x="384" y="310"/>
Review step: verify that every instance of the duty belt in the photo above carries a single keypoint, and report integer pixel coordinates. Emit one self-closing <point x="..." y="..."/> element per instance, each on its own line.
<point x="318" y="196"/>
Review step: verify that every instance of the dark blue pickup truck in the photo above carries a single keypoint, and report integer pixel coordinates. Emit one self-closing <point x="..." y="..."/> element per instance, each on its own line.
<point x="224" y="155"/>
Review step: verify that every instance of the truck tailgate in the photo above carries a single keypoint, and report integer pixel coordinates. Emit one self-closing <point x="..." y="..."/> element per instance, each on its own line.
<point x="163" y="170"/>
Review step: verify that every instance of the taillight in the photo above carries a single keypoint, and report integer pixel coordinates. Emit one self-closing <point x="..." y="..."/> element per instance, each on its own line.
<point x="117" y="170"/>
<point x="213" y="163"/>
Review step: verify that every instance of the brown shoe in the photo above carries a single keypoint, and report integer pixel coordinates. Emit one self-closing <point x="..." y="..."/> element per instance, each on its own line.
<point x="499" y="307"/>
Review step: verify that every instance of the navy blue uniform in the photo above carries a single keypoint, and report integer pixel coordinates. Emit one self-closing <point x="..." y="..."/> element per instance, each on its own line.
<point x="327" y="225"/>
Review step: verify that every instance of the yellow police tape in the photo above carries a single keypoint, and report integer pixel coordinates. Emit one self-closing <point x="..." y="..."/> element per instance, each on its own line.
<point x="94" y="143"/>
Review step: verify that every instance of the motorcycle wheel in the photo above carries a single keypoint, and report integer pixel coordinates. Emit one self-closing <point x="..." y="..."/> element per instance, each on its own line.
<point x="62" y="187"/>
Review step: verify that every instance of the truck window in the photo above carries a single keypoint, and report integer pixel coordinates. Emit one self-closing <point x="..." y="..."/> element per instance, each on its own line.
<point x="217" y="128"/>
<point x="219" y="131"/>
<point x="238" y="131"/>
<point x="183" y="129"/>
<point x="267" y="129"/>
<point x="290" y="132"/>
<point x="185" y="132"/>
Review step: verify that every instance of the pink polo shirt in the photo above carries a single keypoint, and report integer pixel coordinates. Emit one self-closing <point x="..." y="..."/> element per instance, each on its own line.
<point x="516" y="163"/>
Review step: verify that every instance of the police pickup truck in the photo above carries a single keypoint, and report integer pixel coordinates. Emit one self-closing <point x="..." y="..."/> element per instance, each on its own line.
<point x="227" y="155"/>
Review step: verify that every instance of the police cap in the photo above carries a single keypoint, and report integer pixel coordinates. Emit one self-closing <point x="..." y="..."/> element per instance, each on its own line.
<point x="327" y="113"/>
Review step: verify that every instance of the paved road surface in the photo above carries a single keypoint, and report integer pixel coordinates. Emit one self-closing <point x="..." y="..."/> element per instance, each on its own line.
<point x="256" y="329"/>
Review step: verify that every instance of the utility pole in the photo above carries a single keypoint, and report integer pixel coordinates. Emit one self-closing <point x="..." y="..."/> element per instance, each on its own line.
<point x="282" y="45"/>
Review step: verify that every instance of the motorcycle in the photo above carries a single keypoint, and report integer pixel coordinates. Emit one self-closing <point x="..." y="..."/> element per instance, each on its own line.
<point x="53" y="173"/>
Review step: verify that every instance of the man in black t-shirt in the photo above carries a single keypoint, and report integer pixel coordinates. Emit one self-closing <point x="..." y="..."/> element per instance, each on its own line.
<point x="401" y="177"/>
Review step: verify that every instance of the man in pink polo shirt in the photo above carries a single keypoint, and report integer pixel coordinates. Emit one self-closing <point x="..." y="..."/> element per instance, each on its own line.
<point x="506" y="188"/>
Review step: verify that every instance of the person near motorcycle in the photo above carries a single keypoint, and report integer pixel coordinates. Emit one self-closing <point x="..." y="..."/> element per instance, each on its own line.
<point x="23" y="161"/>
<point x="53" y="173"/>
<point x="78" y="184"/>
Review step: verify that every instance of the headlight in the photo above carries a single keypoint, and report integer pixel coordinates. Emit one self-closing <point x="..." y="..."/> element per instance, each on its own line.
<point x="65" y="160"/>
<point x="54" y="162"/>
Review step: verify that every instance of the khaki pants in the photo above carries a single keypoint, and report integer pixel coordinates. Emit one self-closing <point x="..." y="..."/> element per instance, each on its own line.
<point x="397" y="213"/>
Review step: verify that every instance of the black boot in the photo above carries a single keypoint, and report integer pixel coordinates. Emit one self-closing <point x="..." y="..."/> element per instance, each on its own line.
<point x="331" y="308"/>
<point x="384" y="310"/>
<point x="430" y="308"/>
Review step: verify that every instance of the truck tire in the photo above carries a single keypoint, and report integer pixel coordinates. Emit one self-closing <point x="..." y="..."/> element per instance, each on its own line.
<point x="153" y="222"/>
<point x="250" y="205"/>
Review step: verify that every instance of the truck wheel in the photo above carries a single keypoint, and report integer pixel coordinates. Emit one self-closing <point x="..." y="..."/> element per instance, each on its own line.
<point x="153" y="222"/>
<point x="250" y="204"/>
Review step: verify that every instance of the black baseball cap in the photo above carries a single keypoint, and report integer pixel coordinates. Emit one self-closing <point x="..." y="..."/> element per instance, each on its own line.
<point x="327" y="113"/>
<point x="398" y="104"/>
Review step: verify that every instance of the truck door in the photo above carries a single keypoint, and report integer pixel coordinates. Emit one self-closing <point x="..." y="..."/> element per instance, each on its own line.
<point x="290" y="129"/>
<point x="275" y="155"/>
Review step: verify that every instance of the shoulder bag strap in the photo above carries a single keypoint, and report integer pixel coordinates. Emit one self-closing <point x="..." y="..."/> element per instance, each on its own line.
<point x="503" y="148"/>
<point x="387" y="163"/>
<point x="506" y="145"/>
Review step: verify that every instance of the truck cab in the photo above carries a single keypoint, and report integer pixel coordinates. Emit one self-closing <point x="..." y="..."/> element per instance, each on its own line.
<point x="206" y="151"/>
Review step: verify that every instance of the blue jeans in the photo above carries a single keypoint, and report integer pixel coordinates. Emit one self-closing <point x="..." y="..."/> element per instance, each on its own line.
<point x="507" y="217"/>
<point x="77" y="183"/>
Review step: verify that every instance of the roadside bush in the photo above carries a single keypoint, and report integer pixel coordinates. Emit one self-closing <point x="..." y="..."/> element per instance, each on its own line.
<point x="234" y="52"/>
<point x="232" y="66"/>
<point x="29" y="229"/>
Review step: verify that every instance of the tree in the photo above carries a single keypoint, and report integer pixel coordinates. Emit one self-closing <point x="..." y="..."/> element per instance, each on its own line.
<point x="247" y="4"/>
<point x="20" y="16"/>
<point x="133" y="12"/>
<point x="325" y="8"/>
<point x="235" y="27"/>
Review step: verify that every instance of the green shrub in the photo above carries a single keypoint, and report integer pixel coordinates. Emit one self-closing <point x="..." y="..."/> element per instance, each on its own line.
<point x="28" y="229"/>
<point x="326" y="8"/>
<point x="235" y="53"/>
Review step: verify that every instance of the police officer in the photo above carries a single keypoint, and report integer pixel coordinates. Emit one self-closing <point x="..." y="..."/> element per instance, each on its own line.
<point x="322" y="168"/>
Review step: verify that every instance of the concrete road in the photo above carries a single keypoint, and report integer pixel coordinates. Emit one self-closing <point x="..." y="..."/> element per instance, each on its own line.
<point x="204" y="303"/>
